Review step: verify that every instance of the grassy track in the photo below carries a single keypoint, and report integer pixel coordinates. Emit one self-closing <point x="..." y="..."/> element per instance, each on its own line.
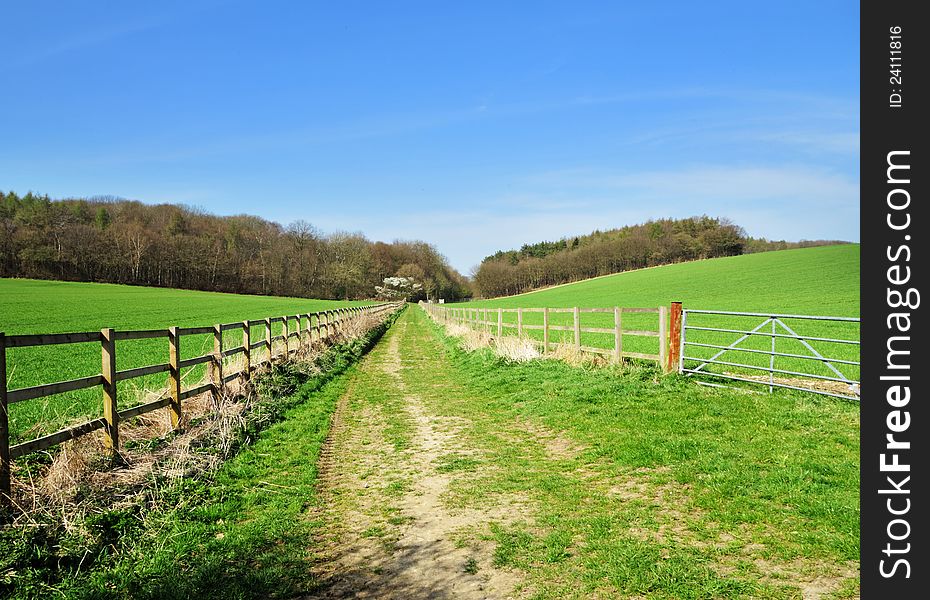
<point x="670" y="490"/>
<point x="28" y="306"/>
<point x="811" y="281"/>
<point x="560" y="482"/>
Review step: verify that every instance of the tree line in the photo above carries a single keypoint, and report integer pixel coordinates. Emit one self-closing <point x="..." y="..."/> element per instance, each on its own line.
<point x="648" y="244"/>
<point x="112" y="240"/>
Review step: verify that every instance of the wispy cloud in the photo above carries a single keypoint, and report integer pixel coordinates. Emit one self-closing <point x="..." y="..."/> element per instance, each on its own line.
<point x="817" y="142"/>
<point x="784" y="202"/>
<point x="711" y="184"/>
<point x="91" y="37"/>
<point x="79" y="41"/>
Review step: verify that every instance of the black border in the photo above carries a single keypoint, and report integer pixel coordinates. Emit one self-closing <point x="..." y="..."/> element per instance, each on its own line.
<point x="884" y="129"/>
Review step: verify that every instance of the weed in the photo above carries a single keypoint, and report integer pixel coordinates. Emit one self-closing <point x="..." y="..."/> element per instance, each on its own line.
<point x="471" y="566"/>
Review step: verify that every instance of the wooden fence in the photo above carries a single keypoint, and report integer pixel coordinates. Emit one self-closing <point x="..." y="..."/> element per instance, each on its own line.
<point x="668" y="330"/>
<point x="309" y="328"/>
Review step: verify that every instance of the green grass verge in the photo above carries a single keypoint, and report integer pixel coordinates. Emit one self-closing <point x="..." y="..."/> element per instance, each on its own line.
<point x="29" y="306"/>
<point x="672" y="490"/>
<point x="243" y="533"/>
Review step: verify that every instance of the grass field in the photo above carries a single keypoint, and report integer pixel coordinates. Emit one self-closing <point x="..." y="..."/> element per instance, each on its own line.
<point x="29" y="307"/>
<point x="809" y="281"/>
<point x="821" y="281"/>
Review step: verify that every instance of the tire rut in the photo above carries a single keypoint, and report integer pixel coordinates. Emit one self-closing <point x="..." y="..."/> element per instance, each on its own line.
<point x="413" y="553"/>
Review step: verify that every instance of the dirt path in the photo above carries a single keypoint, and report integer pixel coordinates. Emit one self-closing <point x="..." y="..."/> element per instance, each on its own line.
<point x="386" y="475"/>
<point x="437" y="482"/>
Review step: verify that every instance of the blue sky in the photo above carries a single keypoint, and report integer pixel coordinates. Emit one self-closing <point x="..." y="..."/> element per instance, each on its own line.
<point x="474" y="126"/>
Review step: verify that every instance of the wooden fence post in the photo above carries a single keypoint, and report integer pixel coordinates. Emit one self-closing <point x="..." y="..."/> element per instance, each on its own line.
<point x="4" y="430"/>
<point x="545" y="330"/>
<point x="674" y="338"/>
<point x="663" y="336"/>
<point x="268" y="340"/>
<point x="284" y="333"/>
<point x="618" y="335"/>
<point x="500" y="322"/>
<point x="577" y="314"/>
<point x="247" y="350"/>
<point x="174" y="376"/>
<point x="108" y="372"/>
<point x="216" y="373"/>
<point x="519" y="322"/>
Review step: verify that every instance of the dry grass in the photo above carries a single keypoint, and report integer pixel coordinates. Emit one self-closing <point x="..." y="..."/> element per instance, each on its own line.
<point x="517" y="349"/>
<point x="520" y="348"/>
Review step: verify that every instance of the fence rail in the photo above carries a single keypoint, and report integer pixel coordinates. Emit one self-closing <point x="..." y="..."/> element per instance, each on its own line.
<point x="318" y="327"/>
<point x="492" y="319"/>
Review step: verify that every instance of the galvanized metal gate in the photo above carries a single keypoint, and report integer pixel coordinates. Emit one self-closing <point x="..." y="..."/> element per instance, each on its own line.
<point x="824" y="359"/>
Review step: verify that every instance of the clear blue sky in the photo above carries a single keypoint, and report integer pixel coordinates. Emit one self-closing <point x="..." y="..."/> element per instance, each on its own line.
<point x="475" y="126"/>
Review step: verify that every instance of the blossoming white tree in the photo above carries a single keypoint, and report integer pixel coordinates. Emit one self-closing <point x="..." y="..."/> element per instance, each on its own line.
<point x="398" y="288"/>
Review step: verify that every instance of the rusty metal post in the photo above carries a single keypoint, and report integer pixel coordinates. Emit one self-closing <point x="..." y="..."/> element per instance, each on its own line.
<point x="674" y="338"/>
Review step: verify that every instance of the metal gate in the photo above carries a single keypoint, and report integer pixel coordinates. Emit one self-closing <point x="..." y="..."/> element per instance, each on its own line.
<point x="823" y="358"/>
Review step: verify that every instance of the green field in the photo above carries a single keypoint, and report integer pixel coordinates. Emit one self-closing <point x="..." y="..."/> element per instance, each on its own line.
<point x="29" y="307"/>
<point x="809" y="281"/>
<point x="819" y="281"/>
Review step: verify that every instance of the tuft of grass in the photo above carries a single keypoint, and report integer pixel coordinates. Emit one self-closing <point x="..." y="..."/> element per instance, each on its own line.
<point x="471" y="566"/>
<point x="455" y="462"/>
